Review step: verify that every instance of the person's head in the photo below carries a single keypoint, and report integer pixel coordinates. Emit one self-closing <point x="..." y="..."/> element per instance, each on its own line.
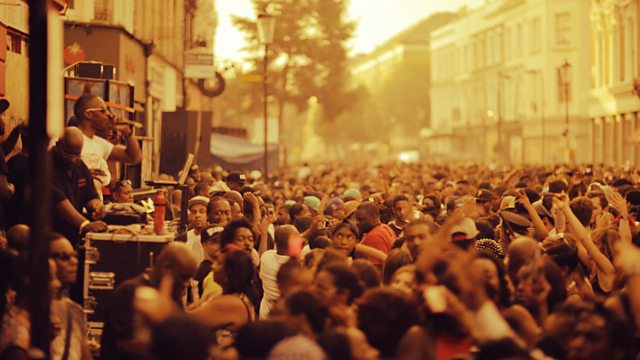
<point x="565" y="256"/>
<point x="282" y="236"/>
<point x="255" y="339"/>
<point x="495" y="278"/>
<point x="367" y="216"/>
<point x="198" y="211"/>
<point x="402" y="209"/>
<point x="18" y="237"/>
<point x="307" y="312"/>
<point x="240" y="233"/>
<point x="194" y="172"/>
<point x="236" y="181"/>
<point x="201" y="189"/>
<point x="69" y="147"/>
<point x="292" y="275"/>
<point x="599" y="204"/>
<point x="210" y="239"/>
<point x="239" y="273"/>
<point x="283" y="216"/>
<point x="367" y="272"/>
<point x="397" y="258"/>
<point x="122" y="192"/>
<point x="338" y="284"/>
<point x="558" y="186"/>
<point x="178" y="261"/>
<point x="417" y="232"/>
<point x="65" y="257"/>
<point x="521" y="251"/>
<point x="384" y="315"/>
<point x="335" y="208"/>
<point x="598" y="334"/>
<point x="404" y="279"/>
<point x="219" y="211"/>
<point x="344" y="237"/>
<point x="298" y="210"/>
<point x="177" y="336"/>
<point x="92" y="111"/>
<point x="582" y="207"/>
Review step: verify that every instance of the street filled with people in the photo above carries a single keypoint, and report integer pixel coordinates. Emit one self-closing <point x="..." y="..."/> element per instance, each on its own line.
<point x="335" y="260"/>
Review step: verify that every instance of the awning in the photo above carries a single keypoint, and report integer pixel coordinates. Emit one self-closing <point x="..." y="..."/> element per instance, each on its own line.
<point x="237" y="153"/>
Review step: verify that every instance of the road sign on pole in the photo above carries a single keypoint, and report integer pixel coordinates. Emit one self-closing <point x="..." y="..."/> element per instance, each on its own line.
<point x="199" y="63"/>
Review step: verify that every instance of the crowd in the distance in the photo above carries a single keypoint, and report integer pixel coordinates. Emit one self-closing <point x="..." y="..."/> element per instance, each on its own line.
<point x="346" y="261"/>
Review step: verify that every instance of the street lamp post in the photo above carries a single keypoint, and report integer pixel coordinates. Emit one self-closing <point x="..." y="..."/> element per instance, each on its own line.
<point x="541" y="106"/>
<point x="564" y="74"/>
<point x="501" y="76"/>
<point x="266" y="27"/>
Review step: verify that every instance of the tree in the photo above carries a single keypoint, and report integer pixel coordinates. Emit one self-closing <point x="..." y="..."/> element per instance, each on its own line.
<point x="310" y="47"/>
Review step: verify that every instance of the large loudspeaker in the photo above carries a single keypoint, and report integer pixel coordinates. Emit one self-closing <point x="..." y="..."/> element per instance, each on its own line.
<point x="179" y="132"/>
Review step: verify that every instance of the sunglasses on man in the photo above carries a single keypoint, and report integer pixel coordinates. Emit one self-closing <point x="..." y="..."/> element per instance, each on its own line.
<point x="104" y="110"/>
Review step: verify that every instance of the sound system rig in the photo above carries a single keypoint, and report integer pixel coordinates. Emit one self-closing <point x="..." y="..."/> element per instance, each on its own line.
<point x="109" y="260"/>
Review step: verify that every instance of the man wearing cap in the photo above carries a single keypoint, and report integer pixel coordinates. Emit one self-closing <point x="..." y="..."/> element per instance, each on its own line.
<point x="198" y="219"/>
<point x="484" y="202"/>
<point x="335" y="209"/>
<point x="464" y="233"/>
<point x="210" y="239"/>
<point x="95" y="120"/>
<point x="236" y="181"/>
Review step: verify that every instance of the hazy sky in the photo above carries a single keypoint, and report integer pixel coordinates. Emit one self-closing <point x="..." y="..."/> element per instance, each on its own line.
<point x="378" y="20"/>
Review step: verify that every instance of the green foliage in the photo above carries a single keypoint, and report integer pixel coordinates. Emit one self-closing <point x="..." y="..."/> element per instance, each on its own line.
<point x="309" y="54"/>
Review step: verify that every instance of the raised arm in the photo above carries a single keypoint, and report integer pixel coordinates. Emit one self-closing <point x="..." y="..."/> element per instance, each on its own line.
<point x="605" y="270"/>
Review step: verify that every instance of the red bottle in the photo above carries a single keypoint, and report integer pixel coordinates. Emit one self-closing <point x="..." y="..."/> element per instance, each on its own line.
<point x="158" y="215"/>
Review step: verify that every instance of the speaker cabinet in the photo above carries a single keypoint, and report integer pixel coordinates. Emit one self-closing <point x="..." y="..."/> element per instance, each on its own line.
<point x="179" y="135"/>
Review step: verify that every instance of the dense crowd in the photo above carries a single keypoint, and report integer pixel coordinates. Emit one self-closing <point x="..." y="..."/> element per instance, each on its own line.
<point x="355" y="261"/>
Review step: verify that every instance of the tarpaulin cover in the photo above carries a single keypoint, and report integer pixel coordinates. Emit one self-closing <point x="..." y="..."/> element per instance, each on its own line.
<point x="236" y="153"/>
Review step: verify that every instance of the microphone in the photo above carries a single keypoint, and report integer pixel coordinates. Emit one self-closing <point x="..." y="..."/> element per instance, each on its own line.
<point x="129" y="122"/>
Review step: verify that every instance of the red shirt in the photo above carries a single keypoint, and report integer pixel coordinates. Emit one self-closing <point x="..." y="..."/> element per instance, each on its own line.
<point x="380" y="237"/>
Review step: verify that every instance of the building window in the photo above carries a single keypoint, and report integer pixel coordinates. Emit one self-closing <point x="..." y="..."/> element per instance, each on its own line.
<point x="563" y="29"/>
<point x="14" y="43"/>
<point x="103" y="10"/>
<point x="536" y="34"/>
<point x="621" y="52"/>
<point x="519" y="42"/>
<point x="507" y="44"/>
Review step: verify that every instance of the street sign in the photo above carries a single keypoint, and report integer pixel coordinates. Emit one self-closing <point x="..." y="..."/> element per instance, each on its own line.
<point x="252" y="78"/>
<point x="199" y="63"/>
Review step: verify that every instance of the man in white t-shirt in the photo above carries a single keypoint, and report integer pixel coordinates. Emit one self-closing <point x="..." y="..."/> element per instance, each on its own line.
<point x="270" y="264"/>
<point x="198" y="219"/>
<point x="94" y="119"/>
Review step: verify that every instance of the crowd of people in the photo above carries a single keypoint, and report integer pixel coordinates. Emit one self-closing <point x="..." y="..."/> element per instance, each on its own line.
<point x="352" y="261"/>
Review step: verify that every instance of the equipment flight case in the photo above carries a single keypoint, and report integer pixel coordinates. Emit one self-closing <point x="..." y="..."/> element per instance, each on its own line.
<point x="111" y="259"/>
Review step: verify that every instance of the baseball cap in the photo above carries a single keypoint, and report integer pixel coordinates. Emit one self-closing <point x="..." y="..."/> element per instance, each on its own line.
<point x="236" y="177"/>
<point x="333" y="205"/>
<point x="353" y="194"/>
<point x="484" y="195"/>
<point x="465" y="230"/>
<point x="517" y="222"/>
<point x="312" y="201"/>
<point x="198" y="200"/>
<point x="350" y="207"/>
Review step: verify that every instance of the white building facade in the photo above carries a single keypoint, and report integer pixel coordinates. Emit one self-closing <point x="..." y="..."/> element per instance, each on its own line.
<point x="614" y="103"/>
<point x="498" y="89"/>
